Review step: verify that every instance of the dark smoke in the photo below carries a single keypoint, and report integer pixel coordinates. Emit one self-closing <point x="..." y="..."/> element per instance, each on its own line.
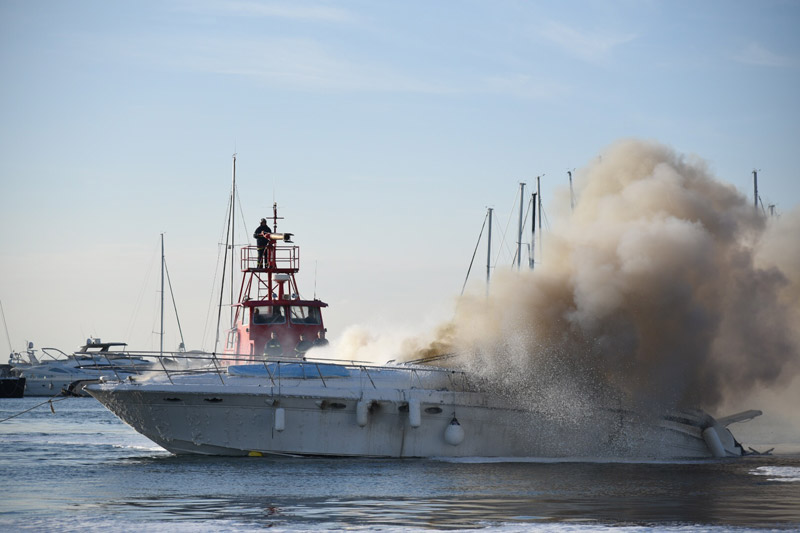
<point x="664" y="287"/>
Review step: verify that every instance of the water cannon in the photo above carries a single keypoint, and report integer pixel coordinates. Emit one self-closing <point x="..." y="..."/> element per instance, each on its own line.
<point x="285" y="237"/>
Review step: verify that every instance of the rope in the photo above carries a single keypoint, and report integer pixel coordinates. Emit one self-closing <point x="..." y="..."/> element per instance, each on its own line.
<point x="50" y="401"/>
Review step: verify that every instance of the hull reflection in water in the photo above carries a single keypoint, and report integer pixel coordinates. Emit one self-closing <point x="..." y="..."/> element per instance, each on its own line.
<point x="327" y="409"/>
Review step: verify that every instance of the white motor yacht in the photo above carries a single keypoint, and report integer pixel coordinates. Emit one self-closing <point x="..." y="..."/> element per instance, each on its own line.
<point x="334" y="409"/>
<point x="55" y="372"/>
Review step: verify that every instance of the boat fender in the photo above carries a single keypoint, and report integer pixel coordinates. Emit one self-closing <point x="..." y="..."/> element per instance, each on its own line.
<point x="454" y="434"/>
<point x="280" y="419"/>
<point x="712" y="441"/>
<point x="362" y="412"/>
<point x="414" y="413"/>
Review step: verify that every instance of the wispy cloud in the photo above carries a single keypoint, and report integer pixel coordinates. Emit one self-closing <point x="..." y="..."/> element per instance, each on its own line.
<point x="756" y="54"/>
<point x="296" y="63"/>
<point x="592" y="47"/>
<point x="284" y="10"/>
<point x="524" y="86"/>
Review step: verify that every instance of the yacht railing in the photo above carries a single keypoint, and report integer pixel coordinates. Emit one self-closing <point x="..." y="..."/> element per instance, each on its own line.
<point x="174" y="364"/>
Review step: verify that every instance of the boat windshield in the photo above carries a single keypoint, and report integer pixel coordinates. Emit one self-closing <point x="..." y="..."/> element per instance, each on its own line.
<point x="268" y="314"/>
<point x="302" y="314"/>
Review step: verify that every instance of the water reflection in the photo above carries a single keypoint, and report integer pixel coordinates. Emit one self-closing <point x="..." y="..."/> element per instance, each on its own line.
<point x="323" y="493"/>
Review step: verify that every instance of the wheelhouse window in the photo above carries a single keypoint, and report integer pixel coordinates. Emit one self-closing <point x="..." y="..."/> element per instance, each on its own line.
<point x="268" y="314"/>
<point x="302" y="314"/>
<point x="233" y="340"/>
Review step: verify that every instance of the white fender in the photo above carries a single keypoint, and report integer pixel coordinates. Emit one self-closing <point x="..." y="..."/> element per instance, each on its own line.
<point x="414" y="413"/>
<point x="712" y="440"/>
<point x="454" y="434"/>
<point x="362" y="412"/>
<point x="280" y="419"/>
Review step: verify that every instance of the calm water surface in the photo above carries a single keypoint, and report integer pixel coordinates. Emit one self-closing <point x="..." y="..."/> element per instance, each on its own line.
<point x="81" y="469"/>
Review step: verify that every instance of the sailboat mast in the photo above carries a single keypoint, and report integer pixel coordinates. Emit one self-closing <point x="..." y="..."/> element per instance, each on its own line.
<point x="8" y="337"/>
<point x="489" y="252"/>
<point x="539" y="200"/>
<point x="161" y="341"/>
<point x="755" y="189"/>
<point x="571" y="192"/>
<point x="533" y="230"/>
<point x="519" y="237"/>
<point x="232" y="238"/>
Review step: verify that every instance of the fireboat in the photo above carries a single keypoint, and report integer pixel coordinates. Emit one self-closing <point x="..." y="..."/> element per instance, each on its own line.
<point x="270" y="318"/>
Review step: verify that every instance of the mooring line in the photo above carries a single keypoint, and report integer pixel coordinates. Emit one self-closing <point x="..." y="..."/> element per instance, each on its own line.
<point x="50" y="401"/>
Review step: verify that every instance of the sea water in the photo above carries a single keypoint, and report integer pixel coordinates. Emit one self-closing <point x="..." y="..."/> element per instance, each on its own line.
<point x="78" y="468"/>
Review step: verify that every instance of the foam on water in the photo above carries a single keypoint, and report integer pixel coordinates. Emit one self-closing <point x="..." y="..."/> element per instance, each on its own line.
<point x="787" y="474"/>
<point x="556" y="460"/>
<point x="222" y="526"/>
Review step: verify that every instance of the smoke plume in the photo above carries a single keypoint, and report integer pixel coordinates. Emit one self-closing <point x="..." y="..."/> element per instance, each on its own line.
<point x="663" y="285"/>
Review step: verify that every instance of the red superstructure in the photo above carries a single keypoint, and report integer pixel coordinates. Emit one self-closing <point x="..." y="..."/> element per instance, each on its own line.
<point x="269" y="303"/>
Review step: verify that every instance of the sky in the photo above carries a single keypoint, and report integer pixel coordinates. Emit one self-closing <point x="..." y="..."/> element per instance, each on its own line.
<point x="383" y="130"/>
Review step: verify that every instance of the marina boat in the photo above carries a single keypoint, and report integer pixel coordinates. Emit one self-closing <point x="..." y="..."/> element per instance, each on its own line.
<point x="291" y="403"/>
<point x="55" y="372"/>
<point x="11" y="386"/>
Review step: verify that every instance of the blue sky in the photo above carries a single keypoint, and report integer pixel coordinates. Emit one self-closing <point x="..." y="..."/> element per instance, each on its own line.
<point x="382" y="129"/>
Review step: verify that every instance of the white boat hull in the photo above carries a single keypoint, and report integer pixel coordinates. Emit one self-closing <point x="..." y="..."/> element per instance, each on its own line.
<point x="246" y="416"/>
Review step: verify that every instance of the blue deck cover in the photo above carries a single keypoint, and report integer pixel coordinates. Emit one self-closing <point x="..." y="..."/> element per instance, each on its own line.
<point x="290" y="370"/>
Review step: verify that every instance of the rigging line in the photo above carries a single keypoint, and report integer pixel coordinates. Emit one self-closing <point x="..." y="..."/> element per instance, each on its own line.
<point x="241" y="212"/>
<point x="546" y="220"/>
<point x="211" y="297"/>
<point x="474" y="253"/>
<point x="8" y="337"/>
<point x="210" y="308"/>
<point x="174" y="305"/>
<point x="140" y="297"/>
<point x="524" y="223"/>
<point x="546" y="226"/>
<point x="50" y="401"/>
<point x="505" y="231"/>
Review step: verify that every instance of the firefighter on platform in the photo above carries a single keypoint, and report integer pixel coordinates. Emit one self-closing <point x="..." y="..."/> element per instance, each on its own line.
<point x="263" y="242"/>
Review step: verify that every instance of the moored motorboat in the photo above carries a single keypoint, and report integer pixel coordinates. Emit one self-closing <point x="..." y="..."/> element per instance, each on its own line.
<point x="11" y="386"/>
<point x="55" y="372"/>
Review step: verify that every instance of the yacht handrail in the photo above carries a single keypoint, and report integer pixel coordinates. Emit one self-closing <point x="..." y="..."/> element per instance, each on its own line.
<point x="218" y="363"/>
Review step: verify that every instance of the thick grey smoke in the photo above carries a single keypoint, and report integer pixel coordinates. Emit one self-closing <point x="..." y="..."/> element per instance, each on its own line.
<point x="663" y="288"/>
